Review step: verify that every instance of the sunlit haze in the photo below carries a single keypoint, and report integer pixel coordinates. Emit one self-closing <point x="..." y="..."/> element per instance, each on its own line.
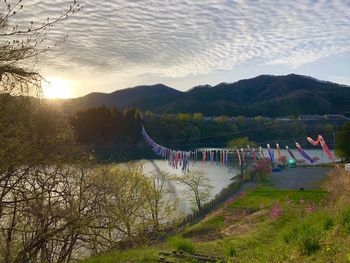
<point x="56" y="88"/>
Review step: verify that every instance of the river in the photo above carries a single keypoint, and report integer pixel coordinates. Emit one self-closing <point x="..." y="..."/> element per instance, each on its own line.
<point x="219" y="175"/>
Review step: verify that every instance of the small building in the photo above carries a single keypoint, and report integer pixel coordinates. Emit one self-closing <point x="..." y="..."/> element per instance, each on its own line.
<point x="310" y="117"/>
<point x="334" y="117"/>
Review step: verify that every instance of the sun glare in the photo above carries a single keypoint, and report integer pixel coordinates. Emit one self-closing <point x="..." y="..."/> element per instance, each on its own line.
<point x="55" y="88"/>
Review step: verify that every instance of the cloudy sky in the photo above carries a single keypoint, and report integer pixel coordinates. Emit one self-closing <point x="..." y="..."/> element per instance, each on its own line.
<point x="116" y="44"/>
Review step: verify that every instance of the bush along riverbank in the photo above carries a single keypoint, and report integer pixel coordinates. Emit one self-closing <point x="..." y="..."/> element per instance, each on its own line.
<point x="265" y="224"/>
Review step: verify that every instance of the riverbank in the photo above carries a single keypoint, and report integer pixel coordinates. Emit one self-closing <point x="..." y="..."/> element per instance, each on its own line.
<point x="266" y="224"/>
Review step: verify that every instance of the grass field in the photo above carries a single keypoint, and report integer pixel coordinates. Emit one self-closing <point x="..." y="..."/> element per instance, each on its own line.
<point x="262" y="225"/>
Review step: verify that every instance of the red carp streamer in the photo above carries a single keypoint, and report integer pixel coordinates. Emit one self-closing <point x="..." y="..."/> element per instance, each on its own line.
<point x="325" y="148"/>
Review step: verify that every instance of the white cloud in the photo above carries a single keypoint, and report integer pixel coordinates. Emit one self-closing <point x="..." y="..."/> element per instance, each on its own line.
<point x="180" y="38"/>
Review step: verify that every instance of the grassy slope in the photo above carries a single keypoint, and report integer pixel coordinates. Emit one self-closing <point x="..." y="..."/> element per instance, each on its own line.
<point x="297" y="235"/>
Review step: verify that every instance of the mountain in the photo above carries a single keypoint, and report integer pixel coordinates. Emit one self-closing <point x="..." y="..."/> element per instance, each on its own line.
<point x="265" y="95"/>
<point x="142" y="97"/>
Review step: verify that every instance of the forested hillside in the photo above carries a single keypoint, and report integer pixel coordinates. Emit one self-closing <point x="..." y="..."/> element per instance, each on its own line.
<point x="116" y="134"/>
<point x="266" y="95"/>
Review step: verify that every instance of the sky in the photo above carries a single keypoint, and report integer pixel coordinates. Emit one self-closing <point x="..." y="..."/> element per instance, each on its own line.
<point x="117" y="44"/>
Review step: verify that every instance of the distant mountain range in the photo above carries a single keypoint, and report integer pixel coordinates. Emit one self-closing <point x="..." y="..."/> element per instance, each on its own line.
<point x="266" y="95"/>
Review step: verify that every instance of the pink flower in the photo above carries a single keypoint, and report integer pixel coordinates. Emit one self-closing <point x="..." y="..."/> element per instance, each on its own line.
<point x="276" y="211"/>
<point x="241" y="194"/>
<point x="311" y="208"/>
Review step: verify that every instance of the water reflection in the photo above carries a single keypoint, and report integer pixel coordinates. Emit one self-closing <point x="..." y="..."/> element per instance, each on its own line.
<point x="219" y="175"/>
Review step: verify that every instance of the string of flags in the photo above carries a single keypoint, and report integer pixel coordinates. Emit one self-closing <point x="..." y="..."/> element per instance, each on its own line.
<point x="182" y="159"/>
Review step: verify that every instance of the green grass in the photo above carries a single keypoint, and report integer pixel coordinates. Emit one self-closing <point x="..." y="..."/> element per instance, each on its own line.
<point x="345" y="218"/>
<point x="179" y="243"/>
<point x="298" y="235"/>
<point x="207" y="227"/>
<point x="267" y="195"/>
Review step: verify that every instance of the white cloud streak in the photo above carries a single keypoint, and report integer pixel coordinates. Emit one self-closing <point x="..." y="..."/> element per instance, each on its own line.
<point x="177" y="38"/>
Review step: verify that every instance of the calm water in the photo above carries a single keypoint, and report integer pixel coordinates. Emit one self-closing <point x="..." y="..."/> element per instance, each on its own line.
<point x="219" y="175"/>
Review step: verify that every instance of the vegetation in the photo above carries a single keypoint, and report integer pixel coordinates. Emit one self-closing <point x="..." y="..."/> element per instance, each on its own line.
<point x="343" y="142"/>
<point x="101" y="126"/>
<point x="56" y="203"/>
<point x="241" y="143"/>
<point x="274" y="96"/>
<point x="117" y="134"/>
<point x="40" y="180"/>
<point x="310" y="226"/>
<point x="197" y="186"/>
<point x="109" y="132"/>
<point x="178" y="243"/>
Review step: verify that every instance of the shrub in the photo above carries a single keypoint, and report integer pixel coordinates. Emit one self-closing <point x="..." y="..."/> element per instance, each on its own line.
<point x="262" y="168"/>
<point x="328" y="223"/>
<point x="306" y="237"/>
<point x="181" y="244"/>
<point x="345" y="219"/>
<point x="230" y="249"/>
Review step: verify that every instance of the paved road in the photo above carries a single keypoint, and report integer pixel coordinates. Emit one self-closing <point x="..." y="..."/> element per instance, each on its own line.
<point x="295" y="178"/>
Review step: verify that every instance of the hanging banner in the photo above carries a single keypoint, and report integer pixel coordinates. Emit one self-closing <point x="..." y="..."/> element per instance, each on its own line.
<point x="278" y="152"/>
<point x="183" y="159"/>
<point x="290" y="153"/>
<point x="239" y="158"/>
<point x="204" y="156"/>
<point x="243" y="158"/>
<point x="175" y="158"/>
<point x="303" y="153"/>
<point x="253" y="153"/>
<point x="325" y="148"/>
<point x="261" y="153"/>
<point x="271" y="153"/>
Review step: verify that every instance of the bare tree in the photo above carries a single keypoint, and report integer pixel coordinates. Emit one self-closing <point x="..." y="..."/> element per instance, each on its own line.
<point x="124" y="188"/>
<point x="162" y="204"/>
<point x="20" y="43"/>
<point x="197" y="185"/>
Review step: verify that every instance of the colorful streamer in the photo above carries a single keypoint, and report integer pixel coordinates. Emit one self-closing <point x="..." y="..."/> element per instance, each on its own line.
<point x="261" y="153"/>
<point x="182" y="159"/>
<point x="239" y="158"/>
<point x="271" y="153"/>
<point x="303" y="153"/>
<point x="278" y="151"/>
<point x="252" y="151"/>
<point x="325" y="148"/>
<point x="290" y="153"/>
<point x="243" y="158"/>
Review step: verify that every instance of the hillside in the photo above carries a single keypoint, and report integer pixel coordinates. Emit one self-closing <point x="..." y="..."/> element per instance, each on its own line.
<point x="267" y="95"/>
<point x="142" y="97"/>
<point x="262" y="224"/>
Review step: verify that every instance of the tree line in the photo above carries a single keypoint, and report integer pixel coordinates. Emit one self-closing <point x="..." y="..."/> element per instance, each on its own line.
<point x="116" y="135"/>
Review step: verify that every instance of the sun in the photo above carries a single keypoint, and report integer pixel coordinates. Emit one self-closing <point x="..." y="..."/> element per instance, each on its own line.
<point x="57" y="88"/>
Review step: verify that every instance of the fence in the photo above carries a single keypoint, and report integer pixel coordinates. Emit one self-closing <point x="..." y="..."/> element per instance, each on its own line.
<point x="219" y="199"/>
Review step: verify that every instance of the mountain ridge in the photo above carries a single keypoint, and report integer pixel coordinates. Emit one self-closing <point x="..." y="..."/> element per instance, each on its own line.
<point x="267" y="95"/>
